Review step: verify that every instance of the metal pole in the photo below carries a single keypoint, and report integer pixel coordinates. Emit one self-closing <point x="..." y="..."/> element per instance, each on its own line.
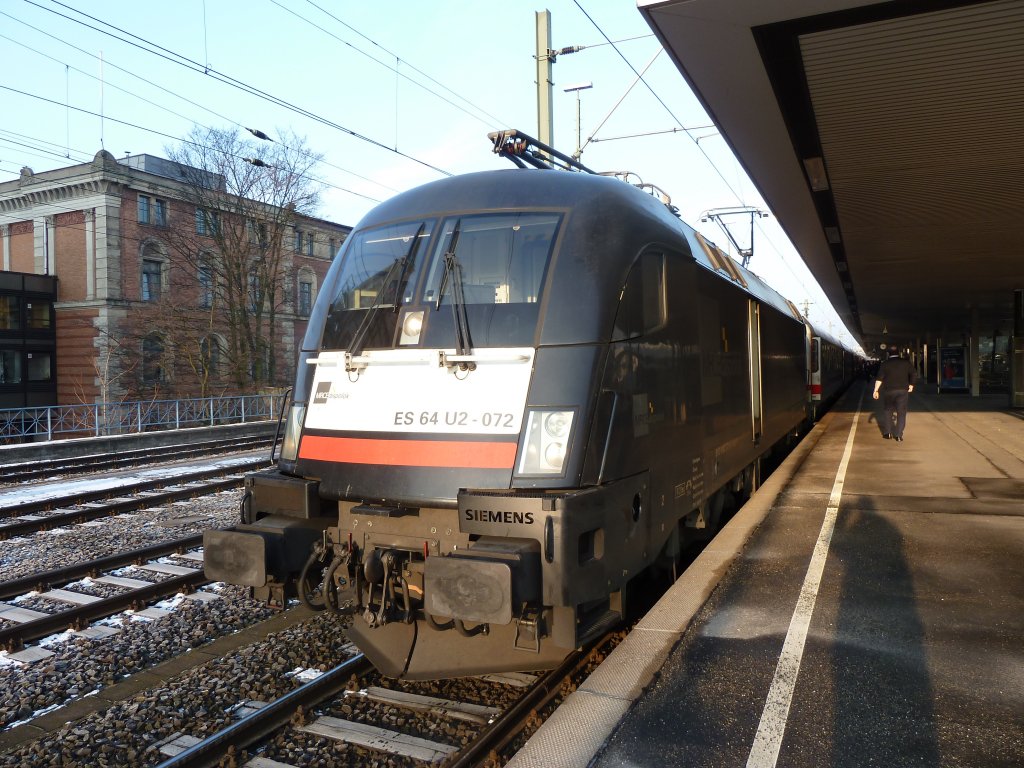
<point x="545" y="98"/>
<point x="750" y="254"/>
<point x="577" y="153"/>
<point x="577" y="88"/>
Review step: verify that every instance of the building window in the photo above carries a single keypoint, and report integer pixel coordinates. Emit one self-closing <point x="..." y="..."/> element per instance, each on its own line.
<point x="259" y="362"/>
<point x="152" y="360"/>
<point x="152" y="272"/>
<point x="10" y="313"/>
<point x="39" y="314"/>
<point x="209" y="350"/>
<point x="305" y="298"/>
<point x="152" y="211"/>
<point x="332" y="247"/>
<point x="257" y="232"/>
<point x="205" y="285"/>
<point x="10" y="366"/>
<point x="39" y="366"/>
<point x="207" y="222"/>
<point x="254" y="291"/>
<point x="309" y="244"/>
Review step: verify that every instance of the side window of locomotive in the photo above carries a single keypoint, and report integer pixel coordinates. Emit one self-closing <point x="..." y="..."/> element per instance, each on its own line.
<point x="502" y="258"/>
<point x="642" y="303"/>
<point x="379" y="270"/>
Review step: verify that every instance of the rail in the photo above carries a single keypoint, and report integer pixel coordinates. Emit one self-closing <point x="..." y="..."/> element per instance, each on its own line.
<point x="57" y="422"/>
<point x="79" y="616"/>
<point x="92" y="504"/>
<point x="43" y="580"/>
<point x="223" y="745"/>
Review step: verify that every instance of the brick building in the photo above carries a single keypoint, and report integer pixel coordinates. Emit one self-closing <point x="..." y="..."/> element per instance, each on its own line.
<point x="141" y="310"/>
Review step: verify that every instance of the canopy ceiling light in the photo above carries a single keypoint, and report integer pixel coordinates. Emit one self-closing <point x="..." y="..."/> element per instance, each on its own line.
<point x="816" y="176"/>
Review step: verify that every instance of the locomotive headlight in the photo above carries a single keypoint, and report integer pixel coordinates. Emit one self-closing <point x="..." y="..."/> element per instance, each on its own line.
<point x="412" y="326"/>
<point x="554" y="455"/>
<point x="292" y="430"/>
<point x="557" y="423"/>
<point x="545" y="442"/>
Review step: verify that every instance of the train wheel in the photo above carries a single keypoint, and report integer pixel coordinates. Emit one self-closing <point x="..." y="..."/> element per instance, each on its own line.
<point x="312" y="579"/>
<point x="713" y="515"/>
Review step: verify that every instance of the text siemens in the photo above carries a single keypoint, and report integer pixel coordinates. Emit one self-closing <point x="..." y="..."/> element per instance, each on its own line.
<point x="499" y="516"/>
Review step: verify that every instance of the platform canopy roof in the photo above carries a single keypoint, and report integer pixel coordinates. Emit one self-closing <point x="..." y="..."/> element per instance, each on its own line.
<point x="887" y="138"/>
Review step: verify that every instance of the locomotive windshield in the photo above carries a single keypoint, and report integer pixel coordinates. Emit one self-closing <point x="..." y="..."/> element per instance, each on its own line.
<point x="378" y="273"/>
<point x="502" y="260"/>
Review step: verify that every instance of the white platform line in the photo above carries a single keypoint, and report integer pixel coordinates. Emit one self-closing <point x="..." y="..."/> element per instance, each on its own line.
<point x="764" y="753"/>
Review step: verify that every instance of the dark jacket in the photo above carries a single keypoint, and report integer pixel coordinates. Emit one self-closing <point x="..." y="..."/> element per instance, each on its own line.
<point x="896" y="373"/>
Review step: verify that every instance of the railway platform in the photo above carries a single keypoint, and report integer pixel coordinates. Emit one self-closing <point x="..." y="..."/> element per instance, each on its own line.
<point x="865" y="607"/>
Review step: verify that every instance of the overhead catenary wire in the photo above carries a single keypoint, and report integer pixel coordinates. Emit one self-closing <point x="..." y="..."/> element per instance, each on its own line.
<point x="181" y="60"/>
<point x="30" y="148"/>
<point x="308" y="38"/>
<point x="58" y="207"/>
<point x="696" y="143"/>
<point x="658" y="98"/>
<point x="639" y="76"/>
<point x="493" y="120"/>
<point x="175" y="138"/>
<point x="184" y="61"/>
<point x="157" y="86"/>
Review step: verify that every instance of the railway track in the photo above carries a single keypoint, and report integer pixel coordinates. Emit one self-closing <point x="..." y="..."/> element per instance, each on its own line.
<point x="27" y="517"/>
<point x="76" y="609"/>
<point x="480" y="728"/>
<point x="474" y="733"/>
<point x="75" y="661"/>
<point x="259" y="723"/>
<point x="54" y="604"/>
<point x="40" y="582"/>
<point x="12" y="472"/>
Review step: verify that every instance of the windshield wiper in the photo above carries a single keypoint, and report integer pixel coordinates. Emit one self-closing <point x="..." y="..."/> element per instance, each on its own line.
<point x="403" y="263"/>
<point x="453" y="271"/>
<point x="410" y="259"/>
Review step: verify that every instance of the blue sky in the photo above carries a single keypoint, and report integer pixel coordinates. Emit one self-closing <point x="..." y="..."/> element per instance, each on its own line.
<point x="423" y="82"/>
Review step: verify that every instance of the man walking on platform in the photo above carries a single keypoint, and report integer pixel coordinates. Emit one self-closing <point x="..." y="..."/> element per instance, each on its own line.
<point x="896" y="378"/>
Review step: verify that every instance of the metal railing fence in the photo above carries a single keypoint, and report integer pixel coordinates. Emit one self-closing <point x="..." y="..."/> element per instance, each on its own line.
<point x="56" y="422"/>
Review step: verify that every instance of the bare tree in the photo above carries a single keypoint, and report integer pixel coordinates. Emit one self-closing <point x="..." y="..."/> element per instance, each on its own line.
<point x="247" y="197"/>
<point x="174" y="342"/>
<point x="110" y="369"/>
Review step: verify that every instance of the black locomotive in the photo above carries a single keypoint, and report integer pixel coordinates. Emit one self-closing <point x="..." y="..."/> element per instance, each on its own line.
<point x="520" y="390"/>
